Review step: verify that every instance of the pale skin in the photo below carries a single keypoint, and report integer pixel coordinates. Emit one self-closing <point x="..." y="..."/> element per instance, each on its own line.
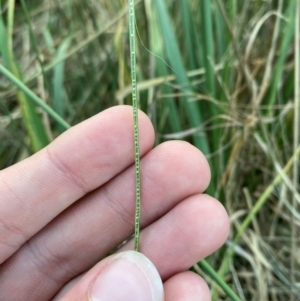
<point x="64" y="208"/>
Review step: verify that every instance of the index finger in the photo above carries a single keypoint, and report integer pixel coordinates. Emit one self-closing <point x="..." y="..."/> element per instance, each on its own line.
<point x="35" y="191"/>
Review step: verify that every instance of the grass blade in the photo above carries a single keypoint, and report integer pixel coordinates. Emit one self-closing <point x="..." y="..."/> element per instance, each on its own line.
<point x="259" y="203"/>
<point x="175" y="60"/>
<point x="296" y="140"/>
<point x="33" y="123"/>
<point x="284" y="49"/>
<point x="214" y="275"/>
<point x="161" y="71"/>
<point x="208" y="45"/>
<point x="59" y="92"/>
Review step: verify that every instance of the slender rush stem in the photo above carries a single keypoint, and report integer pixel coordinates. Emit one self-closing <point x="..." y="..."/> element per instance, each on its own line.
<point x="135" y="126"/>
<point x="34" y="97"/>
<point x="296" y="144"/>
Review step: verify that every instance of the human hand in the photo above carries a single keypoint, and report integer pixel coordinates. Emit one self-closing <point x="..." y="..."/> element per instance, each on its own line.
<point x="64" y="208"/>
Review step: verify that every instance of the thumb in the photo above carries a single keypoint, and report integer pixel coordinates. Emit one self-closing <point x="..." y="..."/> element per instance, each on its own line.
<point x="125" y="276"/>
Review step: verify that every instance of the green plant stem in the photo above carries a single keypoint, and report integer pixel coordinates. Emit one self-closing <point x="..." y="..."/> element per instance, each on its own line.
<point x="34" y="97"/>
<point x="296" y="143"/>
<point x="135" y="126"/>
<point x="205" y="266"/>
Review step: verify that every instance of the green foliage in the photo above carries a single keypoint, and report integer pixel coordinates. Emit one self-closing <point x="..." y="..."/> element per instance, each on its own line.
<point x="131" y="13"/>
<point x="175" y="60"/>
<point x="33" y="123"/>
<point x="59" y="93"/>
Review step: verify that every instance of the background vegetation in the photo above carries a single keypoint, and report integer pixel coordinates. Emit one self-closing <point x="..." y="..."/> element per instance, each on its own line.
<point x="222" y="74"/>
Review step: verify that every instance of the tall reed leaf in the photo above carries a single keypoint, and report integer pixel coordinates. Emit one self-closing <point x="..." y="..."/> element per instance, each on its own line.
<point x="255" y="209"/>
<point x="161" y="70"/>
<point x="33" y="97"/>
<point x="283" y="53"/>
<point x="208" y="44"/>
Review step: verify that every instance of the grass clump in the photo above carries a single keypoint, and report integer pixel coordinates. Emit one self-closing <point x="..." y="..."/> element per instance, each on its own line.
<point x="135" y="106"/>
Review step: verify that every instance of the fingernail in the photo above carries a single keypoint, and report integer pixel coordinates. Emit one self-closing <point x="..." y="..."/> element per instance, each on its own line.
<point x="129" y="276"/>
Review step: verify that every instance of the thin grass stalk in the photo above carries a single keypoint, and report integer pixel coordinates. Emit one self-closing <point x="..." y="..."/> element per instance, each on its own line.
<point x="79" y="47"/>
<point x="38" y="101"/>
<point x="135" y="126"/>
<point x="296" y="143"/>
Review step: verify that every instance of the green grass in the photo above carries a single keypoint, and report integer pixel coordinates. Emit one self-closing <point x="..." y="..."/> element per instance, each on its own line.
<point x="219" y="74"/>
<point x="135" y="106"/>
